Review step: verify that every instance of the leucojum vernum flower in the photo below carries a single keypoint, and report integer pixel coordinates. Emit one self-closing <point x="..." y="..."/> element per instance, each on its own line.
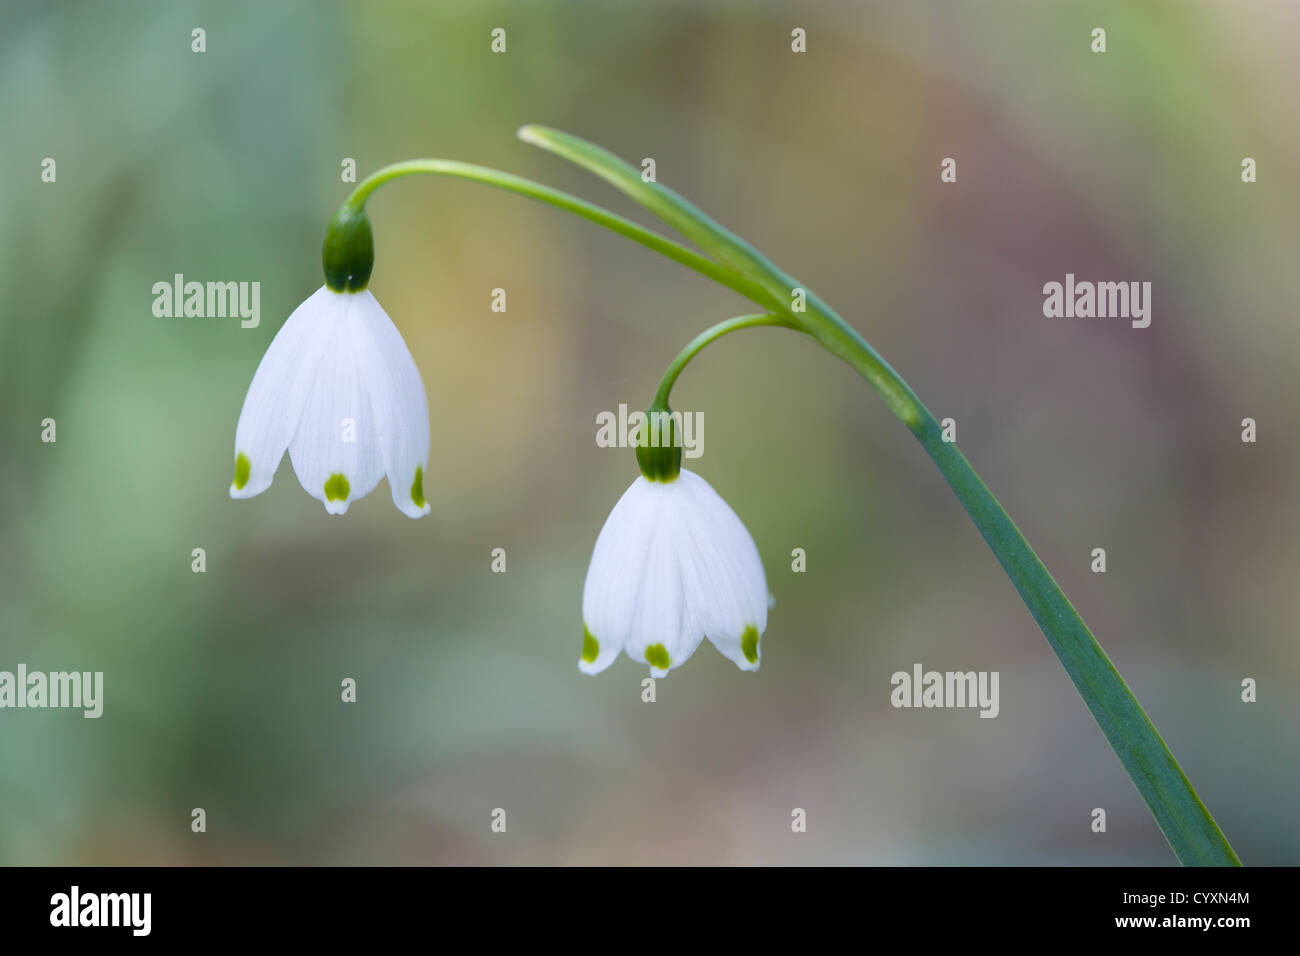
<point x="339" y="390"/>
<point x="673" y="564"/>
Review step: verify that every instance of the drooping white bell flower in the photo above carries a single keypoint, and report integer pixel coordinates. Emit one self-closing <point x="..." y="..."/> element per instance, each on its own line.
<point x="673" y="565"/>
<point x="339" y="390"/>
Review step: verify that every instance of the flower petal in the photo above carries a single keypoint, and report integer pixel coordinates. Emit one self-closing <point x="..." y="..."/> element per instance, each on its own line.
<point x="335" y="449"/>
<point x="609" y="596"/>
<point x="397" y="401"/>
<point x="665" y="632"/>
<point x="275" y="398"/>
<point x="722" y="573"/>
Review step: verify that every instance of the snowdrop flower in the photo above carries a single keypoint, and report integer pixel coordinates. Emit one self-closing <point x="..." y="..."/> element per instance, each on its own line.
<point x="672" y="566"/>
<point x="338" y="389"/>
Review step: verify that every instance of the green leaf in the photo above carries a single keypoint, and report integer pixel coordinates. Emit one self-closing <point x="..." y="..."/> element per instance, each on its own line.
<point x="680" y="213"/>
<point x="818" y="319"/>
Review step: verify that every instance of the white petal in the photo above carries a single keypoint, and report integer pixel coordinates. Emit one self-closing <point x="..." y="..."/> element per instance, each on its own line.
<point x="634" y="598"/>
<point x="613" y="583"/>
<point x="335" y="449"/>
<point x="664" y="632"/>
<point x="723" y="575"/>
<point x="397" y="402"/>
<point x="275" y="398"/>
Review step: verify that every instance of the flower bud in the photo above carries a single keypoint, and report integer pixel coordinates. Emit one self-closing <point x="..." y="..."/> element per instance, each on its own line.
<point x="658" y="446"/>
<point x="348" y="253"/>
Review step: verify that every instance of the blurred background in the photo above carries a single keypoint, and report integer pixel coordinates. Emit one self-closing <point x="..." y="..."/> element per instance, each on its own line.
<point x="222" y="689"/>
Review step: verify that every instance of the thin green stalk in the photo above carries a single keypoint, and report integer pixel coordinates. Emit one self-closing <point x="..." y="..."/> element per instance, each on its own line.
<point x="1191" y="831"/>
<point x="1182" y="817"/>
<point x="562" y="200"/>
<point x="1179" y="812"/>
<point x="817" y="318"/>
<point x="697" y="344"/>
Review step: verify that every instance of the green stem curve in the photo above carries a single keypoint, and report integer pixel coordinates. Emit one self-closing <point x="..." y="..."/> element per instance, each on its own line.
<point x="1179" y="812"/>
<point x="723" y="275"/>
<point x="709" y="335"/>
<point x="1182" y="817"/>
<point x="1186" y="823"/>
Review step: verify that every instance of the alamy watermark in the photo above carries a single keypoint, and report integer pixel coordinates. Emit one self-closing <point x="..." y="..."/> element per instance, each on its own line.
<point x="211" y="300"/>
<point x="623" y="430"/>
<point x="129" y="910"/>
<point x="1098" y="300"/>
<point x="53" y="689"/>
<point x="922" y="688"/>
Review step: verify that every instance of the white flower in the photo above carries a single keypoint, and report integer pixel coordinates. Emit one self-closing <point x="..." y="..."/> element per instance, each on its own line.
<point x="339" y="390"/>
<point x="672" y="566"/>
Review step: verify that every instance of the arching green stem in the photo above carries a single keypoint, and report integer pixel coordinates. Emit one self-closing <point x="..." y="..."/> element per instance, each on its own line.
<point x="696" y="345"/>
<point x="1179" y="812"/>
<point x="779" y="290"/>
<point x="353" y="208"/>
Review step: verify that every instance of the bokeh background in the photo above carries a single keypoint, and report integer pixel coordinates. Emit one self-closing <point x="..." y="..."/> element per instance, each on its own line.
<point x="222" y="688"/>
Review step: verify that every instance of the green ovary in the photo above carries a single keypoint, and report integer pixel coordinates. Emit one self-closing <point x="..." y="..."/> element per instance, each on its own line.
<point x="243" y="468"/>
<point x="590" y="646"/>
<point x="656" y="655"/>
<point x="417" y="487"/>
<point x="749" y="644"/>
<point x="336" y="488"/>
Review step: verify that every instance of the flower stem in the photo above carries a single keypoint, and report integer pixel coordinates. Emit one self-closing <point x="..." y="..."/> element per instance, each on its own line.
<point x="696" y="345"/>
<point x="1182" y="817"/>
<point x="1179" y="812"/>
<point x="723" y="275"/>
